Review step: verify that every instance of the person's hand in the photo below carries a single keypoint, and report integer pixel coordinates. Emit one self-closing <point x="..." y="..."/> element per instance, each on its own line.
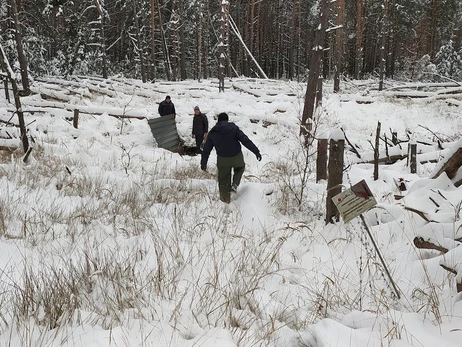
<point x="203" y="167"/>
<point x="193" y="136"/>
<point x="258" y="155"/>
<point x="205" y="136"/>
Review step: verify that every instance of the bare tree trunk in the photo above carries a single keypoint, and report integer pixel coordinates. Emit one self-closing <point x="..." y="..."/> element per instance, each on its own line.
<point x="19" y="47"/>
<point x="182" y="43"/>
<point x="251" y="33"/>
<point x="168" y="67"/>
<point x="199" y="42"/>
<point x="433" y="28"/>
<point x="223" y="59"/>
<point x="17" y="101"/>
<point x="359" y="39"/>
<point x="339" y="38"/>
<point x="103" y="43"/>
<point x="207" y="41"/>
<point x="314" y="74"/>
<point x="293" y="31"/>
<point x="153" y="40"/>
<point x="383" y="39"/>
<point x="139" y="45"/>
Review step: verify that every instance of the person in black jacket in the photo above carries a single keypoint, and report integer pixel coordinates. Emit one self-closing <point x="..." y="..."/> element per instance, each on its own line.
<point x="166" y="107"/>
<point x="200" y="128"/>
<point x="226" y="137"/>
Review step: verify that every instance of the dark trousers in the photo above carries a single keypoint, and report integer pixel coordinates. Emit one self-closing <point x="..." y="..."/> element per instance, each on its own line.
<point x="225" y="176"/>
<point x="199" y="140"/>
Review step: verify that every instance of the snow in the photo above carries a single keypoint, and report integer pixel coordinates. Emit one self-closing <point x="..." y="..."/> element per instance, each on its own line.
<point x="108" y="240"/>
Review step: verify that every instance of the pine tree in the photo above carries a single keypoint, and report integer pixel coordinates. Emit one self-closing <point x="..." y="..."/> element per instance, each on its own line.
<point x="449" y="62"/>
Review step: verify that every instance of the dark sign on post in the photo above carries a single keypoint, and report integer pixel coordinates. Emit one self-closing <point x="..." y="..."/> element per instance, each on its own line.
<point x="354" y="201"/>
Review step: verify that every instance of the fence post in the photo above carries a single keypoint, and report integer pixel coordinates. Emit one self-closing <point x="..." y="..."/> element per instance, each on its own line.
<point x="413" y="157"/>
<point x="377" y="152"/>
<point x="75" y="120"/>
<point x="321" y="160"/>
<point x="335" y="175"/>
<point x="394" y="138"/>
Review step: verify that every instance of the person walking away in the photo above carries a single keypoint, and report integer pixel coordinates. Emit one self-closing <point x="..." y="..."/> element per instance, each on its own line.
<point x="166" y="107"/>
<point x="200" y="128"/>
<point x="227" y="138"/>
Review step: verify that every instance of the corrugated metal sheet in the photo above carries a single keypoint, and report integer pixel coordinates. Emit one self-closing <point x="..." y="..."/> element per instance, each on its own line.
<point x="164" y="131"/>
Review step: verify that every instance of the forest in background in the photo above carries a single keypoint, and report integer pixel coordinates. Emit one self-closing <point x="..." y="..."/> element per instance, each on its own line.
<point x="186" y="39"/>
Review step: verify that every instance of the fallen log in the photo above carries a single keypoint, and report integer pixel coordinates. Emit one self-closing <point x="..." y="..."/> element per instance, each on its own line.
<point x="394" y="158"/>
<point x="420" y="85"/>
<point x="452" y="164"/>
<point x="245" y="90"/>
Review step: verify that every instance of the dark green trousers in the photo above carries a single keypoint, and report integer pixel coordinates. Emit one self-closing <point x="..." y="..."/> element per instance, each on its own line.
<point x="225" y="167"/>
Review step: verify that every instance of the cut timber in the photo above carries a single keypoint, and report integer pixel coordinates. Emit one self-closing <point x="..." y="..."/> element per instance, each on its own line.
<point x="421" y="243"/>
<point x="451" y="166"/>
<point x="246" y="90"/>
<point x="394" y="158"/>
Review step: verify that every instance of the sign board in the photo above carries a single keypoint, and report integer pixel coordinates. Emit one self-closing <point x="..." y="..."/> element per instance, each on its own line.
<point x="354" y="201"/>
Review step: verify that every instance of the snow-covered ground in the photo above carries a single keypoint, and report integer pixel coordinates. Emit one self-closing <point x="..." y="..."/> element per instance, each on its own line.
<point x="107" y="240"/>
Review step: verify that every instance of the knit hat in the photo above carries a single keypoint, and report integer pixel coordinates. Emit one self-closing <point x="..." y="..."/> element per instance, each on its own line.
<point x="167" y="97"/>
<point x="196" y="108"/>
<point x="223" y="117"/>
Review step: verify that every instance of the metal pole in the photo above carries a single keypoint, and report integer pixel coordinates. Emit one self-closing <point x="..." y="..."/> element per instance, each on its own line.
<point x="380" y="257"/>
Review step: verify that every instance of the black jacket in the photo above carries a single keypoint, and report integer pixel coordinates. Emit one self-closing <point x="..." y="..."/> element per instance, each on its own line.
<point x="166" y="108"/>
<point x="200" y="125"/>
<point x="226" y="137"/>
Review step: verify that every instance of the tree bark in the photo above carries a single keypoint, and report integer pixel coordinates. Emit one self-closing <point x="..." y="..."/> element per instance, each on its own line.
<point x="103" y="40"/>
<point x="314" y="76"/>
<point x="199" y="43"/>
<point x="168" y="68"/>
<point x="139" y="44"/>
<point x="183" y="75"/>
<point x="384" y="34"/>
<point x="359" y="39"/>
<point x="153" y="40"/>
<point x="339" y="38"/>
<point x="223" y="45"/>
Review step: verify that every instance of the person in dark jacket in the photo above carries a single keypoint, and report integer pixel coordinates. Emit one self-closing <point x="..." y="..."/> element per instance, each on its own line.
<point x="200" y="128"/>
<point x="226" y="137"/>
<point x="166" y="107"/>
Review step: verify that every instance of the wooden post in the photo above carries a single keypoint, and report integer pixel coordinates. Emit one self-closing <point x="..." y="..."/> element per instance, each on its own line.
<point x="376" y="153"/>
<point x="386" y="148"/>
<point x="75" y="120"/>
<point x="321" y="160"/>
<point x="394" y="138"/>
<point x="334" y="182"/>
<point x="413" y="157"/>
